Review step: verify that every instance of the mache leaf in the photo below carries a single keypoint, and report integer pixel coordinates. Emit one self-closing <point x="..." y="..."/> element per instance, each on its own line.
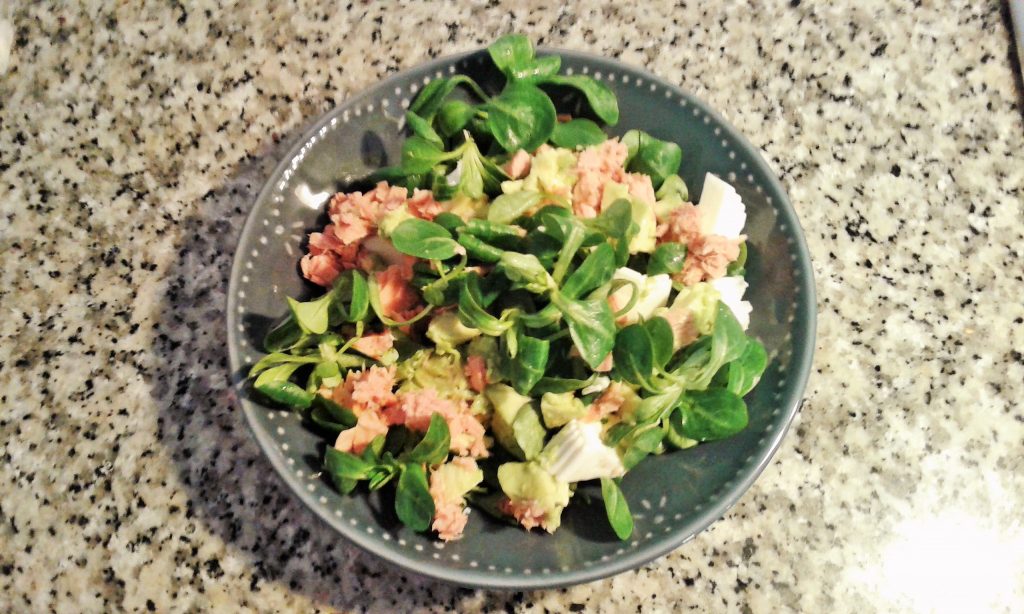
<point x="511" y="53"/>
<point x="424" y="239"/>
<point x="616" y="508"/>
<point x="286" y="393"/>
<point x="576" y="133"/>
<point x="712" y="414"/>
<point x="345" y="470"/>
<point x="667" y="258"/>
<point x="650" y="156"/>
<point x="413" y="503"/>
<point x="591" y="327"/>
<point x="599" y="96"/>
<point x="521" y="117"/>
<point x="433" y="448"/>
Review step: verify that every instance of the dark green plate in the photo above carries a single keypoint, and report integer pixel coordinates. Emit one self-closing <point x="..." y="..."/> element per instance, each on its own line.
<point x="673" y="496"/>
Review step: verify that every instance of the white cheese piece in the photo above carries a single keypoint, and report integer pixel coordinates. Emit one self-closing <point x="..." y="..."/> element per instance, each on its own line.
<point x="600" y="383"/>
<point x="653" y="291"/>
<point x="576" y="453"/>
<point x="731" y="290"/>
<point x="721" y="209"/>
<point x="453" y="178"/>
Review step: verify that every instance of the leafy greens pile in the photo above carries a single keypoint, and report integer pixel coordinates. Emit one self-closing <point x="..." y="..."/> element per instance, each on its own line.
<point x="523" y="283"/>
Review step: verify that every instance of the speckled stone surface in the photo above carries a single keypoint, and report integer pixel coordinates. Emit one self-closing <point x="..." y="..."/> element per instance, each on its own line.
<point x="133" y="141"/>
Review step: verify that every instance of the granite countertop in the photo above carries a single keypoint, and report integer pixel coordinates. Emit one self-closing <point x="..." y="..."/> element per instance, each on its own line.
<point x="133" y="142"/>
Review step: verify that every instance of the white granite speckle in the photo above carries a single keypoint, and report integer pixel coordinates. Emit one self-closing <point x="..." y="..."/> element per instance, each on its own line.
<point x="6" y="40"/>
<point x="133" y="140"/>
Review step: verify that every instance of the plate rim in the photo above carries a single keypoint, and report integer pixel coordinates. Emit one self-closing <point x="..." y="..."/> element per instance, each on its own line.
<point x="789" y="405"/>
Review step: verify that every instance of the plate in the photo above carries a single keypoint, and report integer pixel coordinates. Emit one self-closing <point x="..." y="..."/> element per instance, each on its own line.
<point x="673" y="496"/>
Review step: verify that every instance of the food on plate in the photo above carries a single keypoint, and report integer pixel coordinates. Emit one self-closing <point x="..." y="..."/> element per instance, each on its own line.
<point x="524" y="304"/>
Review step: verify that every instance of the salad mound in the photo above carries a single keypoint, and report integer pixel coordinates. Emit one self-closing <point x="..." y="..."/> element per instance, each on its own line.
<point x="524" y="304"/>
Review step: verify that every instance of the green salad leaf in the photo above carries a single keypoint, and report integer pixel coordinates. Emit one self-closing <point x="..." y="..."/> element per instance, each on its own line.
<point x="634" y="356"/>
<point x="595" y="271"/>
<point x="454" y="116"/>
<point x="640" y="443"/>
<point x="660" y="333"/>
<point x="541" y="68"/>
<point x="511" y="53"/>
<point x="507" y="207"/>
<point x="674" y="431"/>
<point x="667" y="258"/>
<point x="279" y="373"/>
<point x="530" y="363"/>
<point x="329" y="415"/>
<point x="746" y="370"/>
<point x="478" y="249"/>
<point x="283" y="336"/>
<point x="736" y="267"/>
<point x="651" y="156"/>
<point x="433" y="95"/>
<point x="616" y="508"/>
<point x="424" y="239"/>
<point x="351" y="302"/>
<point x="577" y="133"/>
<point x="591" y="327"/>
<point x="413" y="503"/>
<point x="479" y="174"/>
<point x="526" y="271"/>
<point x="277" y="358"/>
<point x="420" y="155"/>
<point x="472" y="312"/>
<point x="345" y="470"/>
<point x="599" y="96"/>
<point x="505" y="236"/>
<point x="312" y="316"/>
<point x="673" y="187"/>
<point x="422" y="128"/>
<point x="286" y="393"/>
<point x="521" y="117"/>
<point x="712" y="414"/>
<point x="433" y="448"/>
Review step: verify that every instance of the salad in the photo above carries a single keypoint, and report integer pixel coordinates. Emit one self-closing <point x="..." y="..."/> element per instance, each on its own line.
<point x="523" y="305"/>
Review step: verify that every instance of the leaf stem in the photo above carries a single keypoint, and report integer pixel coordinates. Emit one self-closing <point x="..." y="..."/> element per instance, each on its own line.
<point x="360" y="326"/>
<point x="555" y="336"/>
<point x="473" y="86"/>
<point x="568" y="251"/>
<point x="633" y="298"/>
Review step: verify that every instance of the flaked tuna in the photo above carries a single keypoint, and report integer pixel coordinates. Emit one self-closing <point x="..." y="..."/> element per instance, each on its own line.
<point x="369" y="390"/>
<point x="416" y="407"/>
<point x="597" y="166"/>
<point x="398" y="300"/>
<point x="375" y="345"/>
<point x="354" y="440"/>
<point x="708" y="257"/>
<point x="519" y="165"/>
<point x="350" y="241"/>
<point x="476" y="373"/>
